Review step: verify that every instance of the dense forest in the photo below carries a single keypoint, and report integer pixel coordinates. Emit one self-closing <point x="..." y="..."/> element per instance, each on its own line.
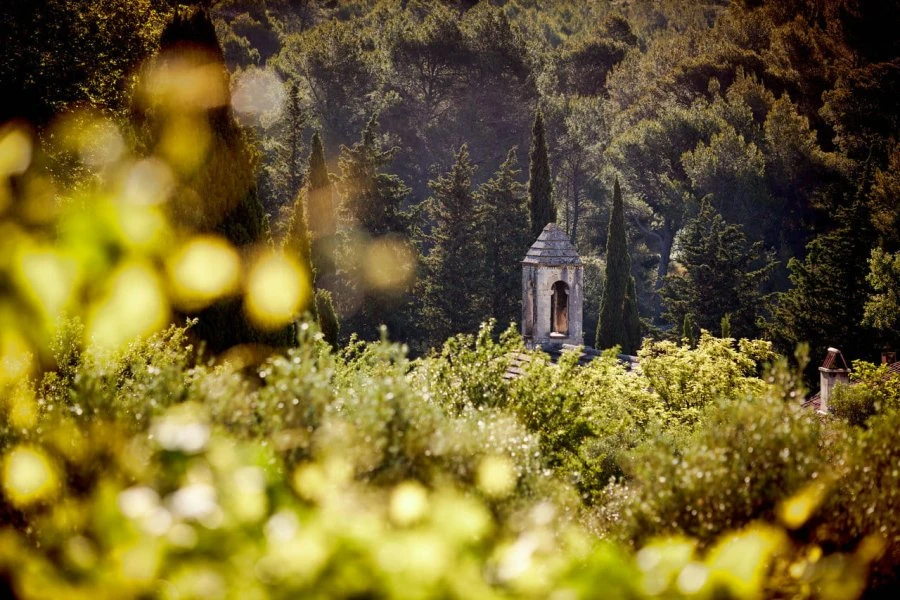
<point x="260" y="290"/>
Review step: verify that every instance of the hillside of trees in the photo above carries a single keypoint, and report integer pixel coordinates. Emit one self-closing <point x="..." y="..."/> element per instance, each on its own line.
<point x="260" y="289"/>
<point x="780" y="116"/>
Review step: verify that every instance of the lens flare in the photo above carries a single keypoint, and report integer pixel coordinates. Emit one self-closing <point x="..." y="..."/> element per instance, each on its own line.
<point x="389" y="264"/>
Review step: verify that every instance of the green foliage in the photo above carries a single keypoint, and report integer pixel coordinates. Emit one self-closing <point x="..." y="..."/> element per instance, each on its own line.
<point x="297" y="234"/>
<point x="631" y="320"/>
<point x="334" y="71"/>
<point x="882" y="309"/>
<point x="690" y="380"/>
<point x="372" y="207"/>
<point x="731" y="172"/>
<point x="373" y="199"/>
<point x="502" y="228"/>
<point x="51" y="49"/>
<point x="454" y="285"/>
<point x="874" y="390"/>
<point x="618" y="324"/>
<point x="722" y="275"/>
<point x="747" y="457"/>
<point x="540" y="185"/>
<point x="689" y="330"/>
<point x="329" y="322"/>
<point x="223" y="181"/>
<point x="156" y="468"/>
<point x="885" y="190"/>
<point x="321" y="210"/>
<point x="861" y="514"/>
<point x="830" y="290"/>
<point x="276" y="462"/>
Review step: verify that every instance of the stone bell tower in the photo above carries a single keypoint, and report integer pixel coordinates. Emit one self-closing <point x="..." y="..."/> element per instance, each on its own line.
<point x="552" y="291"/>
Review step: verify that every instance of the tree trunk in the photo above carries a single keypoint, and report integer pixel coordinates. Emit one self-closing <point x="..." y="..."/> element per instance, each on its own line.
<point x="576" y="202"/>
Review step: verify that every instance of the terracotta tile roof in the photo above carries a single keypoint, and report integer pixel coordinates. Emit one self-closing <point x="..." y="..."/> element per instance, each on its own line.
<point x="815" y="401"/>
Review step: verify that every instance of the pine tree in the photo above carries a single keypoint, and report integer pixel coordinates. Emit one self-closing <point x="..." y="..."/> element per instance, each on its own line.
<point x="453" y="291"/>
<point x="373" y="199"/>
<point x="689" y="331"/>
<point x="618" y="324"/>
<point x="825" y="306"/>
<point x="540" y="186"/>
<point x="320" y="202"/>
<point x="722" y="274"/>
<point x="726" y="325"/>
<point x="372" y="204"/>
<point x="502" y="226"/>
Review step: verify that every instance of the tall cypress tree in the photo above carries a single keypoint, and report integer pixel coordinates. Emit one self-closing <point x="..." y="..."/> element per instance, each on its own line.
<point x="226" y="200"/>
<point x="502" y="226"/>
<point x="540" y="186"/>
<point x="320" y="209"/>
<point x="452" y="302"/>
<point x="297" y="240"/>
<point x="295" y="131"/>
<point x="631" y="320"/>
<point x="619" y="324"/>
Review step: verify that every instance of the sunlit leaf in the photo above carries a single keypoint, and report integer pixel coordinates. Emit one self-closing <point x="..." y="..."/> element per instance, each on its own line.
<point x="16" y="354"/>
<point x="23" y="406"/>
<point x="278" y="290"/>
<point x="29" y="476"/>
<point x="496" y="476"/>
<point x="739" y="561"/>
<point x="663" y="561"/>
<point x="797" y="509"/>
<point x="141" y="228"/>
<point x="191" y="79"/>
<point x="409" y="502"/>
<point x="147" y="181"/>
<point x="133" y="307"/>
<point x="15" y="151"/>
<point x="202" y="270"/>
<point x="95" y="139"/>
<point x="48" y="278"/>
<point x="185" y="142"/>
<point x="258" y="93"/>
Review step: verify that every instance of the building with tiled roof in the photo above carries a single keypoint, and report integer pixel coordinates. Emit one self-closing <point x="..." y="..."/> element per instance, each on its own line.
<point x="552" y="291"/>
<point x="834" y="371"/>
<point x="553" y="301"/>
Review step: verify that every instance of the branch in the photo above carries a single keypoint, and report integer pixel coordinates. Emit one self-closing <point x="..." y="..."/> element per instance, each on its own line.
<point x="646" y="230"/>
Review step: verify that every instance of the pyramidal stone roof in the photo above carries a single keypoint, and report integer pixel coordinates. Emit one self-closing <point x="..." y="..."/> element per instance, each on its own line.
<point x="552" y="248"/>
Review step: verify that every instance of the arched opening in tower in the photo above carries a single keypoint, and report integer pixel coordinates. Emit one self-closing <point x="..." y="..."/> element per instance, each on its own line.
<point x="559" y="308"/>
